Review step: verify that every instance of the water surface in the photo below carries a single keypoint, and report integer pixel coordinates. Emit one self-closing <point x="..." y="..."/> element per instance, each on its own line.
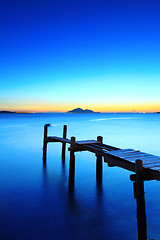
<point x="35" y="201"/>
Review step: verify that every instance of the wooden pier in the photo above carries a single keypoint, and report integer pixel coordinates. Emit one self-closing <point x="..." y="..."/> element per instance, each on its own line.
<point x="144" y="166"/>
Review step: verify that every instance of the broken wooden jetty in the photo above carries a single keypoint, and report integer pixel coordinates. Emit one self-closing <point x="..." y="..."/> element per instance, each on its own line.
<point x="144" y="166"/>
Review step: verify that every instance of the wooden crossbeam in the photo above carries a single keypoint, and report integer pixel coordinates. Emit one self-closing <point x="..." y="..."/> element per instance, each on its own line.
<point x="108" y="147"/>
<point x="65" y="140"/>
<point x="116" y="161"/>
<point x="58" y="139"/>
<point x="86" y="142"/>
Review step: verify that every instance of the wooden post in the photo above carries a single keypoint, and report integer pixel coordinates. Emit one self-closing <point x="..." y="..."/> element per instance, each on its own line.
<point x="45" y="142"/>
<point x="99" y="164"/>
<point x="139" y="194"/>
<point x="64" y="144"/>
<point x="72" y="164"/>
<point x="73" y="140"/>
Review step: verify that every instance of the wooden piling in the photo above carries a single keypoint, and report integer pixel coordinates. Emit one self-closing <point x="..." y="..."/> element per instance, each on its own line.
<point x="99" y="164"/>
<point x="64" y="144"/>
<point x="100" y="139"/>
<point x="73" y="140"/>
<point x="45" y="142"/>
<point x="72" y="164"/>
<point x="72" y="154"/>
<point x="139" y="194"/>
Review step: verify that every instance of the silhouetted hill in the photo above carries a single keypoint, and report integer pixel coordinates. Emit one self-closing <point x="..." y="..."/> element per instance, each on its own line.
<point x="80" y="110"/>
<point x="6" y="112"/>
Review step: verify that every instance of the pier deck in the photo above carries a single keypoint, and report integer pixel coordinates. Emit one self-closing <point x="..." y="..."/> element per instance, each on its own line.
<point x="144" y="166"/>
<point x="124" y="158"/>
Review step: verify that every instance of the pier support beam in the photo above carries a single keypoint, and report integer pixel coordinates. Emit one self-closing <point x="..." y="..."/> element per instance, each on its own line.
<point x="99" y="164"/>
<point x="45" y="142"/>
<point x="64" y="144"/>
<point x="139" y="195"/>
<point x="72" y="164"/>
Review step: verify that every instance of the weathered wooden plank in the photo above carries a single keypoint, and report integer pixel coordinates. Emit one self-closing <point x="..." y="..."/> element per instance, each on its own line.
<point x="122" y="151"/>
<point x="145" y="158"/>
<point x="152" y="158"/>
<point x="155" y="167"/>
<point x="148" y="156"/>
<point x="129" y="154"/>
<point x="151" y="163"/>
<point x="136" y="156"/>
<point x="148" y="161"/>
<point x="129" y="158"/>
<point x="130" y="151"/>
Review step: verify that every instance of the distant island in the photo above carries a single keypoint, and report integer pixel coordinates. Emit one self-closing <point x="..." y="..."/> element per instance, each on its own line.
<point x="6" y="112"/>
<point x="80" y="110"/>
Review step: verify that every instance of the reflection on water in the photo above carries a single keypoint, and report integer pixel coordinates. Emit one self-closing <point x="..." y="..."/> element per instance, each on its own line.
<point x="36" y="200"/>
<point x="74" y="206"/>
<point x="71" y="172"/>
<point x="99" y="188"/>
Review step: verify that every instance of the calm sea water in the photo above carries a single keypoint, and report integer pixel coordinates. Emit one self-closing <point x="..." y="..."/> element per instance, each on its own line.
<point x="35" y="202"/>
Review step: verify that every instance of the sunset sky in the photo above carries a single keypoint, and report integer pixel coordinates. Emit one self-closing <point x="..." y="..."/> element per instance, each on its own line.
<point x="56" y="55"/>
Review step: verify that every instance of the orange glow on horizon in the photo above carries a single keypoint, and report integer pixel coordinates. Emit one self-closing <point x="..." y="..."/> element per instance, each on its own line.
<point x="65" y="107"/>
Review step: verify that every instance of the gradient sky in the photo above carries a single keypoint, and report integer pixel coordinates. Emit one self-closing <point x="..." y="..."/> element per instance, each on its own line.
<point x="56" y="55"/>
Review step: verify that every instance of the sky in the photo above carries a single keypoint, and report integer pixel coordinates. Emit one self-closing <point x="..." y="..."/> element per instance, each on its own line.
<point x="56" y="55"/>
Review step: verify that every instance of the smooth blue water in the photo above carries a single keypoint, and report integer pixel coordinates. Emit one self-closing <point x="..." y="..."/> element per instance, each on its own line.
<point x="35" y="202"/>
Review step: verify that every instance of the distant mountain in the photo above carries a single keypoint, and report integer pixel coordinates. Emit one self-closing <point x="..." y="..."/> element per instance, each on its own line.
<point x="6" y="112"/>
<point x="80" y="110"/>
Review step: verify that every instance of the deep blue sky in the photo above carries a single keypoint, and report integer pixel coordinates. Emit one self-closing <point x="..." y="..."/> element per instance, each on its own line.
<point x="55" y="55"/>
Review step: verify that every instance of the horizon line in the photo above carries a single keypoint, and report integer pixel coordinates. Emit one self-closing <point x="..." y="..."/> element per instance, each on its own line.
<point x="36" y="112"/>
